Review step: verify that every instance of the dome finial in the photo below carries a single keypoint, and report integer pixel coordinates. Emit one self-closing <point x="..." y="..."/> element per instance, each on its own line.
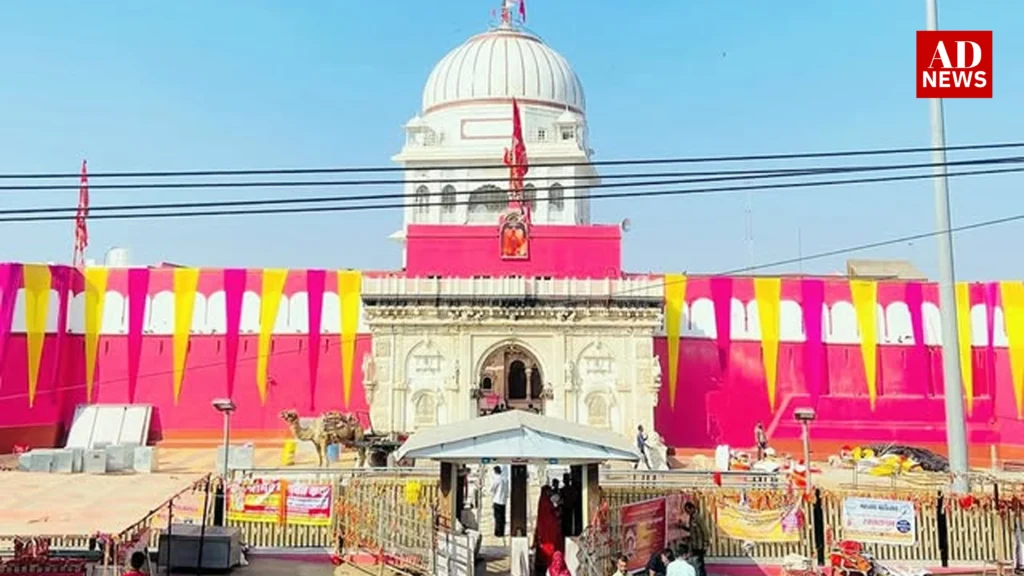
<point x="506" y="13"/>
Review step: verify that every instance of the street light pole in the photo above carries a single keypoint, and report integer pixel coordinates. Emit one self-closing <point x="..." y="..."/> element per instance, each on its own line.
<point x="956" y="434"/>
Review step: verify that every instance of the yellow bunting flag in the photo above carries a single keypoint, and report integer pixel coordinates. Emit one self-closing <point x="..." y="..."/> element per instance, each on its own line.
<point x="270" y="302"/>
<point x="768" y="294"/>
<point x="186" y="283"/>
<point x="963" y="337"/>
<point x="95" y="298"/>
<point x="37" y="306"/>
<point x="675" y="300"/>
<point x="865" y="302"/>
<point x="350" y="287"/>
<point x="1012" y="295"/>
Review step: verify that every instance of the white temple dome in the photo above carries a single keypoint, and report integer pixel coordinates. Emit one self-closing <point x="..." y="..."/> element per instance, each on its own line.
<point x="501" y="64"/>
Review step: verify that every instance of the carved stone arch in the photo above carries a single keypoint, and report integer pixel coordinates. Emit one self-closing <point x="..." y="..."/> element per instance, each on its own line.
<point x="516" y="371"/>
<point x="598" y="409"/>
<point x="424" y="366"/>
<point x="597" y="365"/>
<point x="481" y="362"/>
<point x="423" y="409"/>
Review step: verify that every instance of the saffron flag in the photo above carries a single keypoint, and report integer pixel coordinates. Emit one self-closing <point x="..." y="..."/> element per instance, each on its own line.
<point x="37" y="281"/>
<point x="81" y="229"/>
<point x="515" y="159"/>
<point x="138" y="293"/>
<point x="768" y="294"/>
<point x="350" y="283"/>
<point x="963" y="331"/>
<point x="522" y="10"/>
<point x="864" y="294"/>
<point x="675" y="302"/>
<point x="270" y="304"/>
<point x="95" y="298"/>
<point x="186" y="283"/>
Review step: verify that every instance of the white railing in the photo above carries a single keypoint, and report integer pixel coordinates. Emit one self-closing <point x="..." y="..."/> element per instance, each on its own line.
<point x="515" y="287"/>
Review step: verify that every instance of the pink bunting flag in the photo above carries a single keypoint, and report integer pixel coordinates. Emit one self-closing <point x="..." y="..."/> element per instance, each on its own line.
<point x="812" y="301"/>
<point x="138" y="290"/>
<point x="315" y="283"/>
<point x="10" y="280"/>
<point x="62" y="283"/>
<point x="991" y="301"/>
<point x="918" y="366"/>
<point x="721" y="297"/>
<point x="234" y="293"/>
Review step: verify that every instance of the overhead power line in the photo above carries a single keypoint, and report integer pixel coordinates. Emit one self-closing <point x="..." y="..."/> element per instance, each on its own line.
<point x="684" y="177"/>
<point x="274" y="205"/>
<point x="620" y="162"/>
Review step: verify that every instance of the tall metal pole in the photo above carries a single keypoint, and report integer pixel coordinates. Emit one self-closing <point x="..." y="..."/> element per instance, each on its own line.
<point x="956" y="434"/>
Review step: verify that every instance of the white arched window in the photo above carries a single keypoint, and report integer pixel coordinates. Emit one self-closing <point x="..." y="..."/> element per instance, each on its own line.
<point x="421" y="203"/>
<point x="486" y="202"/>
<point x="449" y="201"/>
<point x="530" y="196"/>
<point x="556" y="197"/>
<point x="425" y="413"/>
<point x="597" y="412"/>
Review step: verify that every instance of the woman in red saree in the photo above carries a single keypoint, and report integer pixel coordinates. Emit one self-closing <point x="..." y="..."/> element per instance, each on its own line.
<point x="548" y="537"/>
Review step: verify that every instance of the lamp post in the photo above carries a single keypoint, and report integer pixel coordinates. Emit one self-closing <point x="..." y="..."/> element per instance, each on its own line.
<point x="225" y="406"/>
<point x="805" y="416"/>
<point x="956" y="433"/>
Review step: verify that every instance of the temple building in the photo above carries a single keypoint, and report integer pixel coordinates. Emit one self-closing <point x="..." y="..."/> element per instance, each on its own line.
<point x="508" y="295"/>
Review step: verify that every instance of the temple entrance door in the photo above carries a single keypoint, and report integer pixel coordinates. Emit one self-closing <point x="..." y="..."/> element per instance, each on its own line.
<point x="512" y="377"/>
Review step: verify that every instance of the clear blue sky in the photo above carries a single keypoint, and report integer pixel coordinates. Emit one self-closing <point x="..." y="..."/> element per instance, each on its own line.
<point x="257" y="84"/>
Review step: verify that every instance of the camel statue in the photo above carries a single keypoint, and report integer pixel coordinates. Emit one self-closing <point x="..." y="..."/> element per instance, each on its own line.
<point x="328" y="428"/>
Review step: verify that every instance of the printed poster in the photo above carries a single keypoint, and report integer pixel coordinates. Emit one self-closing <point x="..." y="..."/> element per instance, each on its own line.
<point x="879" y="521"/>
<point x="643" y="531"/>
<point x="187" y="509"/>
<point x="775" y="525"/>
<point x="260" y="500"/>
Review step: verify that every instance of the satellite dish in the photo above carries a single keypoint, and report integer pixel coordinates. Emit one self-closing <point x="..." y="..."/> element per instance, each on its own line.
<point x="626" y="225"/>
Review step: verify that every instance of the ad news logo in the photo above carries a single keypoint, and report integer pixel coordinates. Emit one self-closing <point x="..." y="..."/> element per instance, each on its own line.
<point x="954" y="64"/>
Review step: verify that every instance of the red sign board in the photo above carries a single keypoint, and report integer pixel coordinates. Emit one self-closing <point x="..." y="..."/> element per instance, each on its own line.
<point x="954" y="64"/>
<point x="643" y="531"/>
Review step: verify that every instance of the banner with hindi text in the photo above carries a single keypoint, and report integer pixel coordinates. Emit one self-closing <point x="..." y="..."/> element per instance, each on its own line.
<point x="260" y="500"/>
<point x="773" y="525"/>
<point x="643" y="531"/>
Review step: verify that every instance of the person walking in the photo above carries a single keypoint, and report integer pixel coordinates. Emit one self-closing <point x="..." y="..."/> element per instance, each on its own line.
<point x="499" y="500"/>
<point x="696" y="537"/>
<point x="641" y="447"/>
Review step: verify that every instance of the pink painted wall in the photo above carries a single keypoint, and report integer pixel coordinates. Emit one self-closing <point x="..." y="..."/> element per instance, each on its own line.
<point x="557" y="251"/>
<point x="722" y="389"/>
<point x="61" y="389"/>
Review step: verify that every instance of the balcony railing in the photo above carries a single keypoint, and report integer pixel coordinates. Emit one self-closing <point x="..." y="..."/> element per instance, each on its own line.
<point x="623" y="289"/>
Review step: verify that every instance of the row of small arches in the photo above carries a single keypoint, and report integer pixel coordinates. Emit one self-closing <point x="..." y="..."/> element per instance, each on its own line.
<point x="894" y="323"/>
<point x="487" y="198"/>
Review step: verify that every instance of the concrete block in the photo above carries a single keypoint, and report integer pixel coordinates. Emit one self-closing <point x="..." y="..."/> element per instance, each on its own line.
<point x="77" y="460"/>
<point x="144" y="459"/>
<point x="40" y="461"/>
<point x="119" y="458"/>
<point x="94" y="462"/>
<point x="63" y="461"/>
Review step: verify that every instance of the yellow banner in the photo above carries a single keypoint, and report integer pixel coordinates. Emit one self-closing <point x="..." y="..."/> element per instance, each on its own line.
<point x="768" y="294"/>
<point x="350" y="287"/>
<point x="675" y="300"/>
<point x="186" y="283"/>
<point x="95" y="298"/>
<point x="1012" y="294"/>
<point x="779" y="525"/>
<point x="37" y="306"/>
<point x="864" y="294"/>
<point x="270" y="303"/>
<point x="963" y="336"/>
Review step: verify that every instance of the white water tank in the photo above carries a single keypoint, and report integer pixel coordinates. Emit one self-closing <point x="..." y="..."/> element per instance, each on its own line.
<point x="116" y="258"/>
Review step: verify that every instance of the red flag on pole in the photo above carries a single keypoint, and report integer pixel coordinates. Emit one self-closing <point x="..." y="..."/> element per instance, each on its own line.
<point x="515" y="159"/>
<point x="81" y="229"/>
<point x="522" y="11"/>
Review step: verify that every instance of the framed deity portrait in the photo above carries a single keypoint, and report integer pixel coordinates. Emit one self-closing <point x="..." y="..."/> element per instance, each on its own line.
<point x="514" y="238"/>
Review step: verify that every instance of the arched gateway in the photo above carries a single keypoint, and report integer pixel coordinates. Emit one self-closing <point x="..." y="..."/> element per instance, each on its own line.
<point x="510" y="376"/>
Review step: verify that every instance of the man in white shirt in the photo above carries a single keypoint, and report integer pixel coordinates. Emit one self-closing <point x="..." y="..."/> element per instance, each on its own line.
<point x="679" y="566"/>
<point x="499" y="498"/>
